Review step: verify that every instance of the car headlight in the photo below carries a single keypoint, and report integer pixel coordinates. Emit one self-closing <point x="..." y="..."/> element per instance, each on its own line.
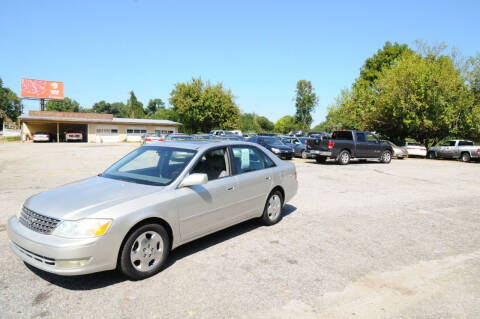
<point x="83" y="228"/>
<point x="19" y="212"/>
<point x="275" y="150"/>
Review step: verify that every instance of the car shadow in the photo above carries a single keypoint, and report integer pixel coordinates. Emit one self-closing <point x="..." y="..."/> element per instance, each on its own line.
<point x="108" y="278"/>
<point x="352" y="162"/>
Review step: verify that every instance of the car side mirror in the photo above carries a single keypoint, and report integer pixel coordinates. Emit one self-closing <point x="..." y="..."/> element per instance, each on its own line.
<point x="194" y="179"/>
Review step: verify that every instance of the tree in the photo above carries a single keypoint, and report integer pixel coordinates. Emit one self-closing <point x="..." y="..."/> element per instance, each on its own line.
<point x="118" y="109"/>
<point x="10" y="104"/>
<point x="202" y="107"/>
<point x="154" y="105"/>
<point x="248" y="123"/>
<point x="265" y="124"/>
<point x="423" y="98"/>
<point x="305" y="104"/>
<point x="382" y="60"/>
<point x="65" y="105"/>
<point x="286" y="124"/>
<point x="134" y="107"/>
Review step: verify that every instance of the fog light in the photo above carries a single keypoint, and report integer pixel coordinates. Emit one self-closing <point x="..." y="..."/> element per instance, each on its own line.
<point x="71" y="264"/>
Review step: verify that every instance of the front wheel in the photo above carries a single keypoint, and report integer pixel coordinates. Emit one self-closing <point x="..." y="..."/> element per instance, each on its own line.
<point x="386" y="157"/>
<point x="304" y="154"/>
<point x="466" y="157"/>
<point x="272" y="213"/>
<point x="144" y="252"/>
<point x="343" y="158"/>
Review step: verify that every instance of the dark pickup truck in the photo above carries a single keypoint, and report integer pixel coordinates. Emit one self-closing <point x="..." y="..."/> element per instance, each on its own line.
<point x="351" y="144"/>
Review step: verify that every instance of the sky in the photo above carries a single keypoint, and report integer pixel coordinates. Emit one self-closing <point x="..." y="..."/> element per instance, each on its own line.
<point x="258" y="49"/>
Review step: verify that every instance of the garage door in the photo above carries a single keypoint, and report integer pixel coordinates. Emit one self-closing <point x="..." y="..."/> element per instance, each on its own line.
<point x="106" y="134"/>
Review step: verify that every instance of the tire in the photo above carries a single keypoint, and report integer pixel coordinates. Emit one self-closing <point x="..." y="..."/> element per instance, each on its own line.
<point x="386" y="157"/>
<point x="144" y="252"/>
<point x="343" y="158"/>
<point x="272" y="213"/>
<point x="465" y="157"/>
<point x="304" y="154"/>
<point x="320" y="159"/>
<point x="431" y="155"/>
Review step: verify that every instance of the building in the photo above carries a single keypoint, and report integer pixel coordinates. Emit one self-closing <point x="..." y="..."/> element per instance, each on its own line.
<point x="95" y="128"/>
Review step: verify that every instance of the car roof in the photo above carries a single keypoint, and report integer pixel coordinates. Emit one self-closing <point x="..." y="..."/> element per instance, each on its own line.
<point x="200" y="145"/>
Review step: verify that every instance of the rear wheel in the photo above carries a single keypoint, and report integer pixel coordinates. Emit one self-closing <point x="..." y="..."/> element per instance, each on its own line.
<point x="343" y="158"/>
<point x="386" y="157"/>
<point x="320" y="159"/>
<point x="466" y="157"/>
<point x="144" y="252"/>
<point x="304" y="154"/>
<point x="272" y="213"/>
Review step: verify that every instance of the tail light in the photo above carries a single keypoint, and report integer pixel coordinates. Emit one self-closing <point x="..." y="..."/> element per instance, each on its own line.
<point x="478" y="151"/>
<point x="331" y="144"/>
<point x="423" y="149"/>
<point x="148" y="139"/>
<point x="161" y="139"/>
<point x="296" y="172"/>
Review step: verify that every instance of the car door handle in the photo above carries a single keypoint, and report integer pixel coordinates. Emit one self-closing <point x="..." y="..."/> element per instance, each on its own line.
<point x="268" y="178"/>
<point x="230" y="188"/>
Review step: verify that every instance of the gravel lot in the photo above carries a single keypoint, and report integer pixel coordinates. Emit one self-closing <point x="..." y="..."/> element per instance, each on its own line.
<point x="366" y="240"/>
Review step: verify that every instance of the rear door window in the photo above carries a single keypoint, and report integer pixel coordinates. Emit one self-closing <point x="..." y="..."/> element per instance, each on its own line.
<point x="342" y="135"/>
<point x="247" y="159"/>
<point x="465" y="143"/>
<point x="360" y="137"/>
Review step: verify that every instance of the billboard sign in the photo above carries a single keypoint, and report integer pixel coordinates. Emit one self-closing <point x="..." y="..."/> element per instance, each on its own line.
<point x="40" y="89"/>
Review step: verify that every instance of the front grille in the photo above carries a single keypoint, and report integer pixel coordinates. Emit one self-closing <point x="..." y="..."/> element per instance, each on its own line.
<point x="36" y="222"/>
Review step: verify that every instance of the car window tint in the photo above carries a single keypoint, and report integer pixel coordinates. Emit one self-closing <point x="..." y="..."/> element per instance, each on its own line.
<point x="247" y="159"/>
<point x="342" y="135"/>
<point x="213" y="163"/>
<point x="360" y="137"/>
<point x="465" y="143"/>
<point x="268" y="161"/>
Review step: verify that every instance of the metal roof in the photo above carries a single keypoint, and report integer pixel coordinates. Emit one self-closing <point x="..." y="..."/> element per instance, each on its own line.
<point x="115" y="120"/>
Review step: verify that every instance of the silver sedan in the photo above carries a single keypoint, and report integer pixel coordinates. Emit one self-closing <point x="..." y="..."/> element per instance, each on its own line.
<point x="153" y="200"/>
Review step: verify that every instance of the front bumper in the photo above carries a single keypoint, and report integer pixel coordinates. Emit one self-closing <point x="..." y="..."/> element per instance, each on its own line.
<point x="47" y="252"/>
<point x="320" y="153"/>
<point x="284" y="154"/>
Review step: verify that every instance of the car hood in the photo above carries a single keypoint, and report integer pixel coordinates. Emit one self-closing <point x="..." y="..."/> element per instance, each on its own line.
<point x="86" y="197"/>
<point x="280" y="147"/>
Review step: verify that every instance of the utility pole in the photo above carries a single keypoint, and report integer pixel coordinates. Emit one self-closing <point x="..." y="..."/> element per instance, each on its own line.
<point x="42" y="104"/>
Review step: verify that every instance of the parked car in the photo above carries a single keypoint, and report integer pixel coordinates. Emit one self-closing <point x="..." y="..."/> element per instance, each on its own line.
<point x="350" y="144"/>
<point x="73" y="136"/>
<point x="398" y="152"/>
<point x="455" y="149"/>
<point x="416" y="149"/>
<point x="153" y="200"/>
<point x="42" y="136"/>
<point x="249" y="135"/>
<point x="274" y="144"/>
<point x="153" y="137"/>
<point x="178" y="137"/>
<point x="267" y="134"/>
<point x="319" y="134"/>
<point x="298" y="145"/>
<point x="202" y="137"/>
<point x="296" y="133"/>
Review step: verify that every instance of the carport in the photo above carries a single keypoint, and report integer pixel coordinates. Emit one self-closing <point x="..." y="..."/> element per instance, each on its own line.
<point x="72" y="127"/>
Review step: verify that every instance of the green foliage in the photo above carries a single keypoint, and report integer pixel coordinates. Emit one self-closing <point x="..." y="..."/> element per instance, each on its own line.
<point x="265" y="124"/>
<point x="382" y="60"/>
<point x="305" y="103"/>
<point x="202" y="107"/>
<point x="134" y="107"/>
<point x="286" y="124"/>
<point x="154" y="105"/>
<point x="65" y="105"/>
<point x="118" y="109"/>
<point x="10" y="103"/>
<point x="249" y="124"/>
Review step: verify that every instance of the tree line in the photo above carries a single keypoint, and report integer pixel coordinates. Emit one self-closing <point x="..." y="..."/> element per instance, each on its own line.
<point x="426" y="94"/>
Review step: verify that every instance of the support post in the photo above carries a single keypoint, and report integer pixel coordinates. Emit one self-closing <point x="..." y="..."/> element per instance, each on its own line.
<point x="42" y="104"/>
<point x="58" y="132"/>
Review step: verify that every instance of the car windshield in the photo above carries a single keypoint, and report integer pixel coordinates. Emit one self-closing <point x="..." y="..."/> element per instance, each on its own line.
<point x="151" y="165"/>
<point x="272" y="140"/>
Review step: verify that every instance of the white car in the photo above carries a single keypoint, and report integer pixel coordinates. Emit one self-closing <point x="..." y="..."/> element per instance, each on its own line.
<point x="154" y="199"/>
<point x="41" y="137"/>
<point x="416" y="149"/>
